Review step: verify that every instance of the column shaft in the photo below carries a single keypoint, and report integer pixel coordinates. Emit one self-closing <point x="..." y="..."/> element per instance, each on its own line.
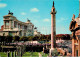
<point x="73" y="47"/>
<point x="13" y="24"/>
<point x="9" y="24"/>
<point x="78" y="47"/>
<point x="4" y="24"/>
<point x="52" y="44"/>
<point x="53" y="30"/>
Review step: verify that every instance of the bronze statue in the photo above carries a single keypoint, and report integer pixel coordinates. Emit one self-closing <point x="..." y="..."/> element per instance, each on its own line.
<point x="28" y="20"/>
<point x="10" y="12"/>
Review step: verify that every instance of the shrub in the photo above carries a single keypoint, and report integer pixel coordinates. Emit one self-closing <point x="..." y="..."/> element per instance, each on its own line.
<point x="16" y="38"/>
<point x="23" y="38"/>
<point x="8" y="38"/>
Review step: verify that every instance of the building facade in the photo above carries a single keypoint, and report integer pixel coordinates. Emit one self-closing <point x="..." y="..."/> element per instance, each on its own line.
<point x="12" y="26"/>
<point x="36" y="33"/>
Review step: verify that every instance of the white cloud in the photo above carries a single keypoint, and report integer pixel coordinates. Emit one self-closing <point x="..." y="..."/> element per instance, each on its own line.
<point x="23" y="13"/>
<point x="34" y="10"/>
<point x="61" y="19"/>
<point x="46" y="20"/>
<point x="2" y="5"/>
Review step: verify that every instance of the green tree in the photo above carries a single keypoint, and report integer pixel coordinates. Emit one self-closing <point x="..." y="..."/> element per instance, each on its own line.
<point x="43" y="38"/>
<point x="16" y="38"/>
<point x="36" y="38"/>
<point x="23" y="38"/>
<point x="55" y="52"/>
<point x="30" y="38"/>
<point x="8" y="38"/>
<point x="2" y="39"/>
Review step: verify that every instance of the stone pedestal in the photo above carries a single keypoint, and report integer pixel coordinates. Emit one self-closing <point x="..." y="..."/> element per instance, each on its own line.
<point x="43" y="49"/>
<point x="51" y="51"/>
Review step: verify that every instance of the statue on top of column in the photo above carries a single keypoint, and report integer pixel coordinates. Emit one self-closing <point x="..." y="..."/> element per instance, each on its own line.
<point x="10" y="12"/>
<point x="28" y="20"/>
<point x="75" y="25"/>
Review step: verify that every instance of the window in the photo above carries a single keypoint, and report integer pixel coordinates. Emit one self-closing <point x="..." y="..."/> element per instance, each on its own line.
<point x="25" y="27"/>
<point x="29" y="31"/>
<point x="11" y="24"/>
<point x="15" y="24"/>
<point x="7" y="23"/>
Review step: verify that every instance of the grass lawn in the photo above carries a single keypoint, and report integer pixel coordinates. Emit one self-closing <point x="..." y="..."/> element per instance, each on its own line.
<point x="44" y="54"/>
<point x="30" y="54"/>
<point x="26" y="54"/>
<point x="34" y="54"/>
<point x="2" y="54"/>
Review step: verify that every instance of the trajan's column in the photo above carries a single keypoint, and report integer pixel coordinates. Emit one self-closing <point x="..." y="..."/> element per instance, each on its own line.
<point x="53" y="29"/>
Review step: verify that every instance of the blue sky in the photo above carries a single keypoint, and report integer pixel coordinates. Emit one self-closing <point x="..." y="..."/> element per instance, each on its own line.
<point x="38" y="11"/>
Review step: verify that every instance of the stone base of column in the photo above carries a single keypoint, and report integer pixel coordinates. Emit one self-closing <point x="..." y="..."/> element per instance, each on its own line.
<point x="51" y="51"/>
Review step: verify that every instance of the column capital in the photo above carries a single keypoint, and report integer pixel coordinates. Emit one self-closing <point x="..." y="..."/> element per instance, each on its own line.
<point x="53" y="13"/>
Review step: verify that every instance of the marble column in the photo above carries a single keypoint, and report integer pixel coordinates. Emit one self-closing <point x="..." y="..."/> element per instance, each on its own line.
<point x="17" y="25"/>
<point x="4" y="24"/>
<point x="73" y="47"/>
<point x="53" y="27"/>
<point x="9" y="24"/>
<point x="53" y="30"/>
<point x="13" y="24"/>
